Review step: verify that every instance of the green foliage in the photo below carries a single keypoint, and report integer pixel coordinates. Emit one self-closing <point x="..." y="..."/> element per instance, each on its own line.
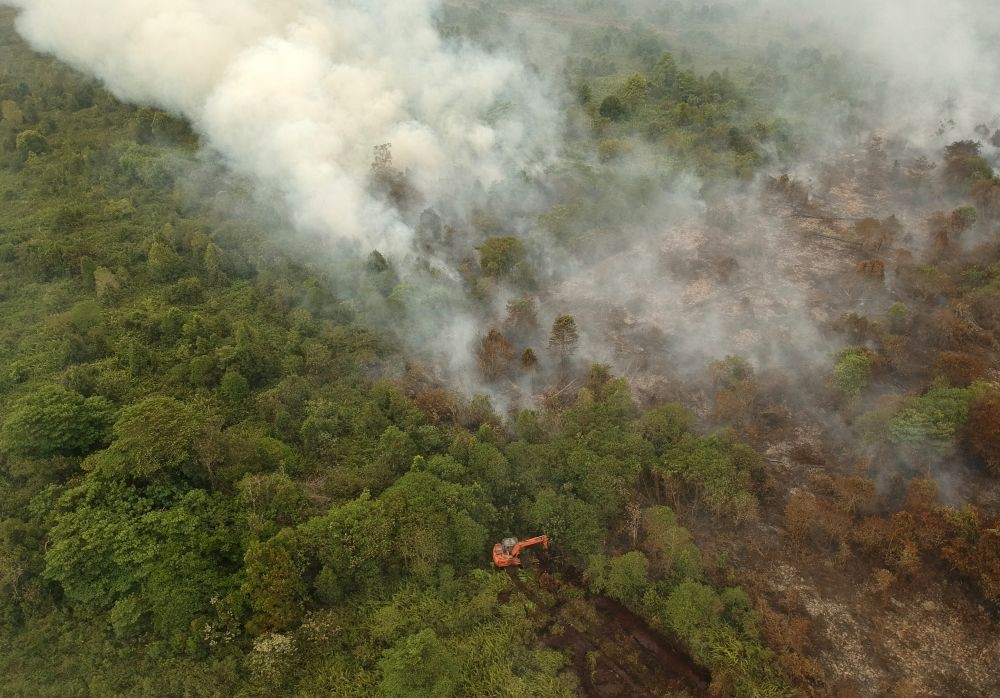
<point x="352" y="547"/>
<point x="897" y="314"/>
<point x="55" y="421"/>
<point x="488" y="468"/>
<point x="624" y="578"/>
<point x="611" y="149"/>
<point x="275" y="587"/>
<point x="612" y="108"/>
<point x="164" y="264"/>
<point x="234" y="387"/>
<point x="202" y="371"/>
<point x="126" y="617"/>
<point x="633" y="93"/>
<point x="395" y="450"/>
<point x="853" y="371"/>
<point x="706" y="122"/>
<point x="719" y="470"/>
<point x="665" y="425"/>
<point x="927" y="282"/>
<point x="965" y="216"/>
<point x="465" y="638"/>
<point x="159" y="433"/>
<point x="499" y="256"/>
<point x="567" y="519"/>
<point x="271" y="501"/>
<point x="31" y="141"/>
<point x="437" y="522"/>
<point x="964" y="165"/>
<point x="932" y="419"/>
<point x="564" y="337"/>
<point x="419" y="665"/>
<point x="691" y="611"/>
<point x="527" y="426"/>
<point x="87" y="269"/>
<point x="669" y="545"/>
<point x="720" y="631"/>
<point x="719" y="628"/>
<point x="599" y="408"/>
<point x="731" y="371"/>
<point x="170" y="548"/>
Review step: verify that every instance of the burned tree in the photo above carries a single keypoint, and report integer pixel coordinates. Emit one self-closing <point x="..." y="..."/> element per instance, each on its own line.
<point x="918" y="173"/>
<point x="528" y="360"/>
<point x="391" y="182"/>
<point x="382" y="159"/>
<point x="964" y="164"/>
<point x="495" y="355"/>
<point x="522" y="319"/>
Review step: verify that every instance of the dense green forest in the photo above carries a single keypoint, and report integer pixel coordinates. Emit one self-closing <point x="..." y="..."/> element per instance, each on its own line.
<point x="209" y="490"/>
<point x="224" y="472"/>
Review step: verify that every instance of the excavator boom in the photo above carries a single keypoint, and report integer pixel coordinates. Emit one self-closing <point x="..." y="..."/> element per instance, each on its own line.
<point x="543" y="540"/>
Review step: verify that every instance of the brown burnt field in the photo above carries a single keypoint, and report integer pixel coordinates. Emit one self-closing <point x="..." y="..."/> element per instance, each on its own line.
<point x="611" y="650"/>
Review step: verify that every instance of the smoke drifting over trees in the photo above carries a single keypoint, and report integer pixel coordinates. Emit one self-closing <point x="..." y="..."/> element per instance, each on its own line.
<point x="296" y="95"/>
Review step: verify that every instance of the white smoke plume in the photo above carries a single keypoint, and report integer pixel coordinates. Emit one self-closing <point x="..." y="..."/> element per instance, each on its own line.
<point x="927" y="61"/>
<point x="296" y="93"/>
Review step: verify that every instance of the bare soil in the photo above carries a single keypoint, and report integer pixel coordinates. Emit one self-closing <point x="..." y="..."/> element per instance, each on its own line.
<point x="612" y="651"/>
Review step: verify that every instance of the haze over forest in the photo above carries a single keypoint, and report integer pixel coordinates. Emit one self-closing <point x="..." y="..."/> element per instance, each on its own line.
<point x="309" y="304"/>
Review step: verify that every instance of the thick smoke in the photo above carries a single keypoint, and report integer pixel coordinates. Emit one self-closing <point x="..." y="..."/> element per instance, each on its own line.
<point x="295" y="94"/>
<point x="766" y="284"/>
<point x="925" y="52"/>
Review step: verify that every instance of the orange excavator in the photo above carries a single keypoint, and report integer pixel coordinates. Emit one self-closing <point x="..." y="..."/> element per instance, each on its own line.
<point x="505" y="553"/>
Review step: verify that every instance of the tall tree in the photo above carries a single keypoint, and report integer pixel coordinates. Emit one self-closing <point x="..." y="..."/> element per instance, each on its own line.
<point x="564" y="337"/>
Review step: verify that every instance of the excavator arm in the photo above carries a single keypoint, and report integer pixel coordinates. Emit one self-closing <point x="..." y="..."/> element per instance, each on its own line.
<point x="543" y="540"/>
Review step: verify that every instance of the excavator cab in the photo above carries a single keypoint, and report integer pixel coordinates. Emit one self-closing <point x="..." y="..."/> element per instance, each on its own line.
<point x="506" y="552"/>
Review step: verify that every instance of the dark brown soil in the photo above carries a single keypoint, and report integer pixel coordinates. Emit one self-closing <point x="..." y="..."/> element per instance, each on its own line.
<point x="613" y="651"/>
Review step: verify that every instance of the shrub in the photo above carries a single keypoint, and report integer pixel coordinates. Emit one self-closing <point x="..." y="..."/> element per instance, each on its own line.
<point x="612" y="108"/>
<point x="31" y="142"/>
<point x="624" y="578"/>
<point x="898" y="314"/>
<point x="611" y="149"/>
<point x="983" y="428"/>
<point x="853" y="371"/>
<point x="665" y="425"/>
<point x="164" y="263"/>
<point x="498" y="256"/>
<point x="720" y="472"/>
<point x="932" y="419"/>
